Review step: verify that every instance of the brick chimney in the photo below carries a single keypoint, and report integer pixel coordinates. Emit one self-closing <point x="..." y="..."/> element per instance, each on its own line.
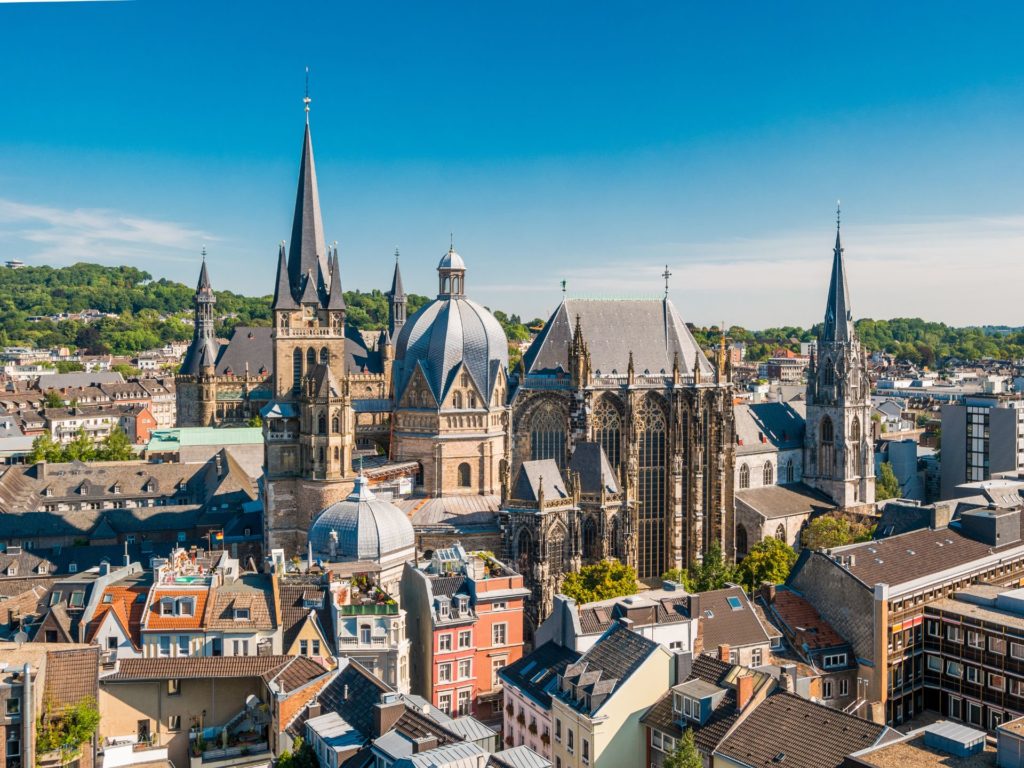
<point x="724" y="652"/>
<point x="386" y="713"/>
<point x="744" y="691"/>
<point x="768" y="592"/>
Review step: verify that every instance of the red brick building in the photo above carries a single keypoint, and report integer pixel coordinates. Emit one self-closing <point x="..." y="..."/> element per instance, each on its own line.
<point x="465" y="620"/>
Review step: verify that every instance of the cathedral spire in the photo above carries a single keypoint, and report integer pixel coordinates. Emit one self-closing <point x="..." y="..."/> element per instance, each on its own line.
<point x="307" y="253"/>
<point x="335" y="299"/>
<point x="202" y="352"/>
<point x="397" y="303"/>
<point x="283" y="298"/>
<point x="838" y="319"/>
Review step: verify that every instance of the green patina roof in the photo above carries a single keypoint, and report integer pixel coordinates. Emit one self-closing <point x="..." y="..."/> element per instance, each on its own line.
<point x="164" y="440"/>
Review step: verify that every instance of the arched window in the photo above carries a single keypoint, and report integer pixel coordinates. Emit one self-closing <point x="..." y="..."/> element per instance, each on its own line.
<point x="608" y="430"/>
<point x="335" y="425"/>
<point x="325" y="355"/>
<point x="744" y="476"/>
<point x="296" y="368"/>
<point x="465" y="475"/>
<point x="741" y="542"/>
<point x="829" y="372"/>
<point x="321" y="424"/>
<point x="769" y="473"/>
<point x="524" y="551"/>
<point x="650" y="422"/>
<point x="590" y="548"/>
<point x="826" y="448"/>
<point x="558" y="548"/>
<point x="310" y="359"/>
<point x="790" y="472"/>
<point x="320" y="454"/>
<point x="856" y="457"/>
<point x="457" y="400"/>
<point x="547" y="435"/>
<point x="780" y="532"/>
<point x="470" y="400"/>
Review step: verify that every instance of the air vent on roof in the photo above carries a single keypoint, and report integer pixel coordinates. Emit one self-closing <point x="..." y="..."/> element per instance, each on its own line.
<point x="910" y="552"/>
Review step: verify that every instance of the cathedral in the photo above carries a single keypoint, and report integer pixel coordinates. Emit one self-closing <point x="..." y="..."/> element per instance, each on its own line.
<point x="616" y="436"/>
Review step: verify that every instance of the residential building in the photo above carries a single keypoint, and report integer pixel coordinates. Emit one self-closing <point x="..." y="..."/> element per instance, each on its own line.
<point x="600" y="698"/>
<point x="528" y="685"/>
<point x="305" y="616"/>
<point x="831" y="677"/>
<point x="668" y="616"/>
<point x="982" y="435"/>
<point x="465" y="616"/>
<point x="207" y="711"/>
<point x="731" y="627"/>
<point x="710" y="698"/>
<point x="787" y="730"/>
<point x="38" y="684"/>
<point x="892" y="580"/>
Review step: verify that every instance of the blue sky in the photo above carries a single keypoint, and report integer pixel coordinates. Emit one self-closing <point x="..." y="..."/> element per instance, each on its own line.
<point x="589" y="141"/>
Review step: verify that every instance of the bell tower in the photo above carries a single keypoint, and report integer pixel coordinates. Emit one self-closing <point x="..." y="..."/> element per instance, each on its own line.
<point x="838" y="459"/>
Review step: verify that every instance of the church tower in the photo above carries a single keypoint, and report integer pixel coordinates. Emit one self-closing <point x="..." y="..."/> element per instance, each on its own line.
<point x="309" y="427"/>
<point x="838" y="458"/>
<point x="197" y="408"/>
<point x="396" y="303"/>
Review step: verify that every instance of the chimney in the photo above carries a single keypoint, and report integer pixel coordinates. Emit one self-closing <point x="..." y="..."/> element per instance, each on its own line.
<point x="683" y="666"/>
<point x="41" y="470"/>
<point x="723" y="653"/>
<point x="313" y="710"/>
<point x="744" y="691"/>
<point x="423" y="743"/>
<point x="104" y="568"/>
<point x="627" y="623"/>
<point x="386" y="714"/>
<point x="768" y="592"/>
<point x="693" y="605"/>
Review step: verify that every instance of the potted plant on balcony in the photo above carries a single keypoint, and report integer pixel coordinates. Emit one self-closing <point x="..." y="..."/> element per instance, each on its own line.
<point x="521" y="718"/>
<point x="545" y="738"/>
<point x="533" y="728"/>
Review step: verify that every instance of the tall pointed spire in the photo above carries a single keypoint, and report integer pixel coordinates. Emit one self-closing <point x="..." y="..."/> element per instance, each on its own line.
<point x="396" y="302"/>
<point x="838" y="318"/>
<point x="283" y="298"/>
<point x="307" y="252"/>
<point x="202" y="352"/>
<point x="336" y="298"/>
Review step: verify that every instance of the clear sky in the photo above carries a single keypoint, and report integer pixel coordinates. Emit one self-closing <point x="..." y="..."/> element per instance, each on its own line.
<point x="590" y="141"/>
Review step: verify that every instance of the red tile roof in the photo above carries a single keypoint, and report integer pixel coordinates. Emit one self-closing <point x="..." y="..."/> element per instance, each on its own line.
<point x="154" y="621"/>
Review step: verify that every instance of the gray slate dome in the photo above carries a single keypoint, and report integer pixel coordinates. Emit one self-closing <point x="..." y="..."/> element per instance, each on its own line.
<point x="367" y="528"/>
<point x="446" y="332"/>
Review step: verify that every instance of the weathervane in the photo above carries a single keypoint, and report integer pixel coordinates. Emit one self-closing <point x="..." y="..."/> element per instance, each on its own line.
<point x="666" y="274"/>
<point x="837" y="214"/>
<point x="396" y="254"/>
<point x="306" y="99"/>
<point x="204" y="253"/>
<point x="563" y="287"/>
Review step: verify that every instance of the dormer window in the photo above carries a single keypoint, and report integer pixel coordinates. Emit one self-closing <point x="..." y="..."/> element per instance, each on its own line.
<point x="48" y="492"/>
<point x="72" y="567"/>
<point x="186" y="606"/>
<point x="443" y="608"/>
<point x="43" y="569"/>
<point x="241" y="614"/>
<point x="166" y="606"/>
<point x="12" y="569"/>
<point x="116" y="488"/>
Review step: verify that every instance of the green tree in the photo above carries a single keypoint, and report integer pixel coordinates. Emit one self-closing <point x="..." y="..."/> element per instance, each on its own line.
<point x="53" y="399"/>
<point x="685" y="755"/>
<point x="679" y="576"/>
<point x="769" y="560"/>
<point x="128" y="371"/>
<point x="255" y="421"/>
<point x="600" y="581"/>
<point x="45" y="448"/>
<point x="115" y="447"/>
<point x="827" y="531"/>
<point x="80" y="448"/>
<point x="302" y="756"/>
<point x="69" y="366"/>
<point x="712" y="572"/>
<point x="67" y="730"/>
<point x="886" y="484"/>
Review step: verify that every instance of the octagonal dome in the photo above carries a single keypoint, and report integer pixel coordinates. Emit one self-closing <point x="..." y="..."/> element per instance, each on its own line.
<point x="362" y="527"/>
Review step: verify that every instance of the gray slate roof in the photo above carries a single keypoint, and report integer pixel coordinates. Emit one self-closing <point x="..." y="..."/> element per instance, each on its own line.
<point x="533" y="476"/>
<point x="651" y="329"/>
<point x="595" y="471"/>
<point x="248" y="345"/>
<point x="446" y="335"/>
<point x="775" y="501"/>
<point x="780" y="424"/>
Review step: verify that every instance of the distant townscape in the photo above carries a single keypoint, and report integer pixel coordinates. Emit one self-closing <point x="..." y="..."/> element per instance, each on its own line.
<point x="348" y="529"/>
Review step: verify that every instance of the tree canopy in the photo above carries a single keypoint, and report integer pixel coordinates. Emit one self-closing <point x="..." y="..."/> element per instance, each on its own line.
<point x="828" y="531"/>
<point x="114" y="447"/>
<point x="769" y="560"/>
<point x="886" y="484"/>
<point x="685" y="755"/>
<point x="600" y="581"/>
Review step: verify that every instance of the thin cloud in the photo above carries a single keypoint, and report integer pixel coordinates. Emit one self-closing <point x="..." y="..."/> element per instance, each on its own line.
<point x="963" y="271"/>
<point x="42" y="234"/>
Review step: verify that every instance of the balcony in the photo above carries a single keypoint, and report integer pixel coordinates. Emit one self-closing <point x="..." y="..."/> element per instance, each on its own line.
<point x="256" y="753"/>
<point x="128" y="750"/>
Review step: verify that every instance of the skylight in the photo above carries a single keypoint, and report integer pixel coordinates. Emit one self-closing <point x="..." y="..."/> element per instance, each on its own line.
<point x="734" y="602"/>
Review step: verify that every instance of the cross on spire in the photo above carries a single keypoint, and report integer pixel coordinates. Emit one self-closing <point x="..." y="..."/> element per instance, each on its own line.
<point x="306" y="100"/>
<point x="396" y="254"/>
<point x="563" y="287"/>
<point x="837" y="214"/>
<point x="666" y="274"/>
<point x="204" y="253"/>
